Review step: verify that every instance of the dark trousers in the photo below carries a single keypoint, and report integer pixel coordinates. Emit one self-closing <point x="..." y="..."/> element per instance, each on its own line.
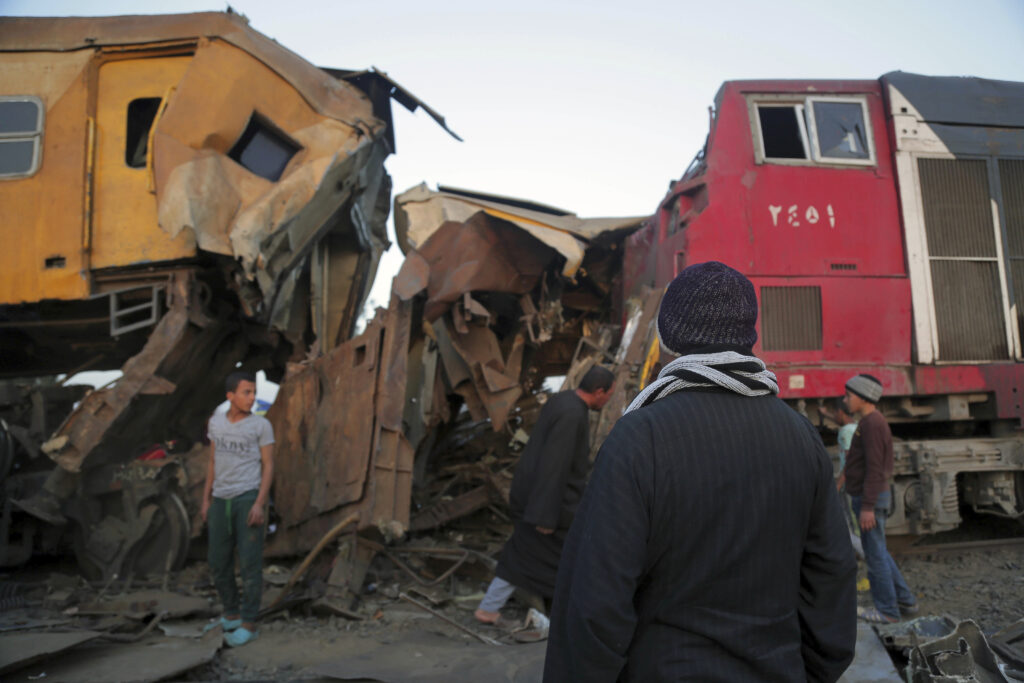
<point x="228" y="532"/>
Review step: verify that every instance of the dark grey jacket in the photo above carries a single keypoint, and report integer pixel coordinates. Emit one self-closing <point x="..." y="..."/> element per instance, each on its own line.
<point x="710" y="545"/>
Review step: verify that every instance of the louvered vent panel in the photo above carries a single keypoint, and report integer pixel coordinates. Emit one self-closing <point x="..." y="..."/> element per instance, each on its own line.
<point x="1011" y="177"/>
<point x="791" y="318"/>
<point x="957" y="209"/>
<point x="968" y="310"/>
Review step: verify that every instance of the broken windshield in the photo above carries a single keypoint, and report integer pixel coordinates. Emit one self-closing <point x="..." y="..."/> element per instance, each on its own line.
<point x="840" y="130"/>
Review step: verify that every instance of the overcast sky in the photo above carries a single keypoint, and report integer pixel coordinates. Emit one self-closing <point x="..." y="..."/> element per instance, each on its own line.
<point x="595" y="106"/>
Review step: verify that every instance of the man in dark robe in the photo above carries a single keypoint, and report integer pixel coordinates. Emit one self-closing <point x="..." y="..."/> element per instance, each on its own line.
<point x="710" y="544"/>
<point x="547" y="487"/>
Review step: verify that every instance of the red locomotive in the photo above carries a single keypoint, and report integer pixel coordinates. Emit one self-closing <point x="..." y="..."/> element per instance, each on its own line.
<point x="882" y="224"/>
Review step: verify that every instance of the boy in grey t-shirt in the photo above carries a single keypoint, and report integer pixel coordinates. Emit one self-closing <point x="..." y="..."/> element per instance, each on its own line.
<point x="238" y="479"/>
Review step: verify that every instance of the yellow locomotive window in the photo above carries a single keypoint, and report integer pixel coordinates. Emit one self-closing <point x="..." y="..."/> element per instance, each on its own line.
<point x="21" y="128"/>
<point x="141" y="113"/>
<point x="263" y="149"/>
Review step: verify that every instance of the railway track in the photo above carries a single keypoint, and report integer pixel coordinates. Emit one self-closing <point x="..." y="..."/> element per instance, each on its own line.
<point x="908" y="548"/>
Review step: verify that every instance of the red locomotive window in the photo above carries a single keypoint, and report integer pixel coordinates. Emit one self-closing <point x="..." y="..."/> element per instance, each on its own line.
<point x="782" y="131"/>
<point x="840" y="128"/>
<point x="813" y="130"/>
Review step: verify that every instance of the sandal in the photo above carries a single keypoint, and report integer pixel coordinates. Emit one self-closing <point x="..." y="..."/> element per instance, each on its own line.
<point x="240" y="637"/>
<point x="225" y="624"/>
<point x="873" y="616"/>
<point x="911" y="610"/>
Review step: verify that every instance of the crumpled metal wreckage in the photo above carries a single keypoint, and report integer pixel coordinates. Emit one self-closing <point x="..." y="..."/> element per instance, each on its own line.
<point x="481" y="312"/>
<point x="234" y="200"/>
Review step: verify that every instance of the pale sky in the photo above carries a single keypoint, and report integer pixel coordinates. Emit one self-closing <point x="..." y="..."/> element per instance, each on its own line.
<point x="595" y="106"/>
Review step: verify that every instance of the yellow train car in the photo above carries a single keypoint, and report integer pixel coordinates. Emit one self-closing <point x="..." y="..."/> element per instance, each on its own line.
<point x="179" y="195"/>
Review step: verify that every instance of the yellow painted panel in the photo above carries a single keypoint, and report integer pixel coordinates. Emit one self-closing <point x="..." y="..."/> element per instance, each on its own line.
<point x="41" y="215"/>
<point x="125" y="229"/>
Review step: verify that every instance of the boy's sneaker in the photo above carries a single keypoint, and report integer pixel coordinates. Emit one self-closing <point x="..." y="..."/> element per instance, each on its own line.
<point x="225" y="624"/>
<point x="909" y="610"/>
<point x="240" y="636"/>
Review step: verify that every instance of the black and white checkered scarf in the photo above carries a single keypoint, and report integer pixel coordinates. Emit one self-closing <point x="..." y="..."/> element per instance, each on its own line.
<point x="745" y="375"/>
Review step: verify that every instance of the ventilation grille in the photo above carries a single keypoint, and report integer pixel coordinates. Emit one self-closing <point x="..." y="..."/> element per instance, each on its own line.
<point x="968" y="310"/>
<point x="964" y="266"/>
<point x="1011" y="174"/>
<point x="957" y="210"/>
<point x="791" y="318"/>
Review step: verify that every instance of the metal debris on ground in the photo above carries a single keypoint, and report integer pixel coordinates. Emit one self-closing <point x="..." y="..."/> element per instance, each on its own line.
<point x="963" y="656"/>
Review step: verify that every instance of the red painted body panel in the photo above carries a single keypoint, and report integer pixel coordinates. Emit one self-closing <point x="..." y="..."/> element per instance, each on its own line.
<point x="787" y="225"/>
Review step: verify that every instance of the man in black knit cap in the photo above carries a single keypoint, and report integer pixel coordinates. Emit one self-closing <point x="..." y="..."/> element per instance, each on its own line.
<point x="710" y="543"/>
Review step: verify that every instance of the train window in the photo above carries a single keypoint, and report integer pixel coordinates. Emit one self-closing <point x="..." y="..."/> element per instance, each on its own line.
<point x="263" y="149"/>
<point x="141" y="114"/>
<point x="783" y="131"/>
<point x="21" y="130"/>
<point x="822" y="129"/>
<point x="840" y="130"/>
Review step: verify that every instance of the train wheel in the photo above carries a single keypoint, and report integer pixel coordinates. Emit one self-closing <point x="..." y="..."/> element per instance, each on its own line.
<point x="164" y="547"/>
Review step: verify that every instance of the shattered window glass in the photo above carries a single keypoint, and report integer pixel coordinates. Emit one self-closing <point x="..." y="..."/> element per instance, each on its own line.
<point x="841" y="130"/>
<point x="141" y="114"/>
<point x="21" y="127"/>
<point x="263" y="149"/>
<point x="782" y="131"/>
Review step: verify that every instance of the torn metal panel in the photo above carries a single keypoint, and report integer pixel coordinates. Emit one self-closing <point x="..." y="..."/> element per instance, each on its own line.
<point x="381" y="88"/>
<point x="19" y="650"/>
<point x="323" y="422"/>
<point x="481" y="254"/>
<point x="340" y="442"/>
<point x="963" y="656"/>
<point x="906" y="634"/>
<point x="420" y="212"/>
<point x="1009" y="643"/>
<point x="155" y="658"/>
<point x="88" y="424"/>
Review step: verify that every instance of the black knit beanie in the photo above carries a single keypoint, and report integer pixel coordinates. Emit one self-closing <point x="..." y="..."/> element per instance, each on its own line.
<point x="708" y="304"/>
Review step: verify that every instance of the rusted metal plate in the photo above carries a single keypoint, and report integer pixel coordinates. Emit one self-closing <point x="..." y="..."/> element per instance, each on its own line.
<point x="324" y="421"/>
<point x="88" y="424"/>
<point x="340" y="441"/>
<point x="482" y="254"/>
<point x="393" y="454"/>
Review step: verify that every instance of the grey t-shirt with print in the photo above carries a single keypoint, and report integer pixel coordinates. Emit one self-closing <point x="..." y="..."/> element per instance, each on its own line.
<point x="237" y="466"/>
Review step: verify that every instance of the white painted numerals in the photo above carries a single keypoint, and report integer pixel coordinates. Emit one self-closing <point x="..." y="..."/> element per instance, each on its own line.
<point x="793" y="215"/>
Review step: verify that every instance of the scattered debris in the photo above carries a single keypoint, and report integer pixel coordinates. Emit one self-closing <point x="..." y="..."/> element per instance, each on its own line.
<point x="152" y="659"/>
<point x="431" y="658"/>
<point x="962" y="656"/>
<point x="906" y="634"/>
<point x="482" y="638"/>
<point x="1009" y="644"/>
<point x="143" y="604"/>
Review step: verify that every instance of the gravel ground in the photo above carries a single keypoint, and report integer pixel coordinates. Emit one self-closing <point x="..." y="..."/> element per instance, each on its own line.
<point x="987" y="586"/>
